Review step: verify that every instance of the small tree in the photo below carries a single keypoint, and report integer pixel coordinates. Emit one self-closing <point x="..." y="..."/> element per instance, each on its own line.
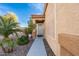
<point x="31" y="26"/>
<point x="12" y="16"/>
<point x="7" y="27"/>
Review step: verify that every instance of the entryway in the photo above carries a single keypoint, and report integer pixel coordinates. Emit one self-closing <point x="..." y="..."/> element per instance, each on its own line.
<point x="40" y="29"/>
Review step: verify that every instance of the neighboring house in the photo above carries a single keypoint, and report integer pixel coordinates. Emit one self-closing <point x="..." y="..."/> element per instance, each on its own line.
<point x="60" y="27"/>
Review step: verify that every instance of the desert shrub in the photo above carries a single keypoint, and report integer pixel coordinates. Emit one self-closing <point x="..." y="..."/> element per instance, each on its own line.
<point x="7" y="45"/>
<point x="22" y="40"/>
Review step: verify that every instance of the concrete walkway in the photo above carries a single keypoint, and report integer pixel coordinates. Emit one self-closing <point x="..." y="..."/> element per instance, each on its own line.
<point x="37" y="48"/>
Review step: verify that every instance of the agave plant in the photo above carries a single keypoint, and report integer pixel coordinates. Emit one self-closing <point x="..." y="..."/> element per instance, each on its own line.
<point x="7" y="27"/>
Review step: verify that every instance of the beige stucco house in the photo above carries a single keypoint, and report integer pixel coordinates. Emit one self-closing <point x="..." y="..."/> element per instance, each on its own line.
<point x="60" y="27"/>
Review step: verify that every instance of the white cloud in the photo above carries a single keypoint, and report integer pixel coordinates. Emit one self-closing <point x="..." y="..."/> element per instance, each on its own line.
<point x="1" y="12"/>
<point x="3" y="9"/>
<point x="37" y="6"/>
<point x="40" y="6"/>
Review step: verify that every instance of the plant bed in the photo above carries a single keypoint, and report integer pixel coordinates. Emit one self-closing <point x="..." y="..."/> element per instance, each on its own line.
<point x="20" y="50"/>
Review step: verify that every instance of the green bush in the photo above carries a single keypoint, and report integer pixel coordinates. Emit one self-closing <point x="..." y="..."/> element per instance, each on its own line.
<point x="22" y="40"/>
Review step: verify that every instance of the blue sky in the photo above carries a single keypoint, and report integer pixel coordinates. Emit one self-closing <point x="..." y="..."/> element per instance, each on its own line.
<point x="22" y="10"/>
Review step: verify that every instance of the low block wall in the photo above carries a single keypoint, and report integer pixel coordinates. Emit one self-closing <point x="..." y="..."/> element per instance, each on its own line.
<point x="69" y="44"/>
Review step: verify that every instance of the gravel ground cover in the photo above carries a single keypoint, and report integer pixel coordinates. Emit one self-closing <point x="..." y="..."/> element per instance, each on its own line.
<point x="18" y="51"/>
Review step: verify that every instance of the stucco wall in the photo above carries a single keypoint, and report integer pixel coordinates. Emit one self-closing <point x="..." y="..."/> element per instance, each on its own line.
<point x="67" y="22"/>
<point x="50" y="28"/>
<point x="67" y="18"/>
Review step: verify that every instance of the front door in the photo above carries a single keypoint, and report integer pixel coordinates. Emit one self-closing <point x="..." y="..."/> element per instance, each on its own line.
<point x="40" y="29"/>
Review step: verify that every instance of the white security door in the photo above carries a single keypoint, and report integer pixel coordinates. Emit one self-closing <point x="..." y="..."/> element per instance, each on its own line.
<point x="40" y="29"/>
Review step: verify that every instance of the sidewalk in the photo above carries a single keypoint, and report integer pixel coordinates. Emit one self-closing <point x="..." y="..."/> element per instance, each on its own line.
<point x="37" y="48"/>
